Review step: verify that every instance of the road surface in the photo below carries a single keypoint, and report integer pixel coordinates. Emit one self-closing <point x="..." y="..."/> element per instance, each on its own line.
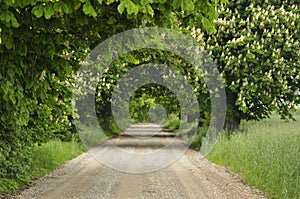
<point x="191" y="176"/>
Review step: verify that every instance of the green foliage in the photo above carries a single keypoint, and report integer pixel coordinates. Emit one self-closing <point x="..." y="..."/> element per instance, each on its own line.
<point x="15" y="151"/>
<point x="147" y="97"/>
<point x="139" y="108"/>
<point x="45" y="158"/>
<point x="266" y="153"/>
<point x="173" y="122"/>
<point x="256" y="48"/>
<point x="189" y="132"/>
<point x="42" y="44"/>
<point x="89" y="10"/>
<point x="198" y="138"/>
<point x="151" y="94"/>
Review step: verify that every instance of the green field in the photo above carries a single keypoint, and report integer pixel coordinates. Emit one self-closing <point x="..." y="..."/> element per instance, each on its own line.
<point x="266" y="154"/>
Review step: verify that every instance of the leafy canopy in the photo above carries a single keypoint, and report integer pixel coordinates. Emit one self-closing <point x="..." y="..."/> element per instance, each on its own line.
<point x="257" y="50"/>
<point x="42" y="43"/>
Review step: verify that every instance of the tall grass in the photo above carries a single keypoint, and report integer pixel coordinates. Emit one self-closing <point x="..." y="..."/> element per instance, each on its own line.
<point x="45" y="159"/>
<point x="52" y="154"/>
<point x="266" y="153"/>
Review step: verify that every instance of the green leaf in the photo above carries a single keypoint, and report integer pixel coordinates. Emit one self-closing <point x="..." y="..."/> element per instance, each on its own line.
<point x="9" y="2"/>
<point x="89" y="10"/>
<point x="136" y="61"/>
<point x="9" y="17"/>
<point x="23" y="3"/>
<point x="121" y="7"/>
<point x="208" y="26"/>
<point x="49" y="12"/>
<point x="37" y="11"/>
<point x="150" y="10"/>
<point x="250" y="56"/>
<point x="108" y="2"/>
<point x="5" y="97"/>
<point x="67" y="8"/>
<point x="223" y="1"/>
<point x="213" y="13"/>
<point x="22" y="50"/>
<point x="9" y="42"/>
<point x="10" y="73"/>
<point x="75" y="5"/>
<point x="144" y="2"/>
<point x="33" y="2"/>
<point x="14" y="22"/>
<point x="187" y="5"/>
<point x="12" y="98"/>
<point x="162" y="1"/>
<point x="131" y="7"/>
<point x="29" y="84"/>
<point x="204" y="6"/>
<point x="176" y="4"/>
<point x="205" y="23"/>
<point x="111" y="20"/>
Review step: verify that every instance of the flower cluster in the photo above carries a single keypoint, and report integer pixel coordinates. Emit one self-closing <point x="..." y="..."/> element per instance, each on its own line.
<point x="257" y="51"/>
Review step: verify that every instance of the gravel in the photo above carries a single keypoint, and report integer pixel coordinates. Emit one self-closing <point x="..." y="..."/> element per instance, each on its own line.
<point x="191" y="176"/>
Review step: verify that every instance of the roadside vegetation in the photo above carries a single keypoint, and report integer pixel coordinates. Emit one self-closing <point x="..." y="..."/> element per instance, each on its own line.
<point x="41" y="53"/>
<point x="266" y="154"/>
<point x="254" y="44"/>
<point x="44" y="159"/>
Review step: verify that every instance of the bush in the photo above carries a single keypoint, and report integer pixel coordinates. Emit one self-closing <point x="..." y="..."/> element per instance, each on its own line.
<point x="173" y="122"/>
<point x="15" y="154"/>
<point x="44" y="158"/>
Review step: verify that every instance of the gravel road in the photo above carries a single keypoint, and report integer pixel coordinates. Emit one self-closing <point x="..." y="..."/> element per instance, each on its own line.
<point x="191" y="176"/>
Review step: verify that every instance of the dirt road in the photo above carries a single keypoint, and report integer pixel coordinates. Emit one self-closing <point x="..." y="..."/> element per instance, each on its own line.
<point x="191" y="176"/>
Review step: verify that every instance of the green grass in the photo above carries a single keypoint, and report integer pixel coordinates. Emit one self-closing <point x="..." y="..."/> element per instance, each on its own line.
<point x="53" y="154"/>
<point x="45" y="159"/>
<point x="266" y="154"/>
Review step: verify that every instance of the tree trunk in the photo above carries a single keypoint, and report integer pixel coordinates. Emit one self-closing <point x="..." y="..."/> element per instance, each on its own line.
<point x="233" y="116"/>
<point x="233" y="124"/>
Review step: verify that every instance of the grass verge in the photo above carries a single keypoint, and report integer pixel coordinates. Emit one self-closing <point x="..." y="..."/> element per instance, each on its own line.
<point x="45" y="159"/>
<point x="266" y="153"/>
